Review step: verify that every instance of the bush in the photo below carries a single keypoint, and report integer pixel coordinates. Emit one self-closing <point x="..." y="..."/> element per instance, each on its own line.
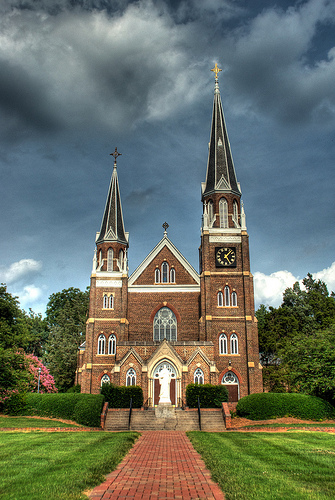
<point x="74" y="388"/>
<point x="85" y="409"/>
<point x="118" y="396"/>
<point x="15" y="404"/>
<point x="272" y="405"/>
<point x="210" y="396"/>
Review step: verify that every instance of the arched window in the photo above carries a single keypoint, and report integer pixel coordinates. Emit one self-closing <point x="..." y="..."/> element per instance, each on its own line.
<point x="172" y="275"/>
<point x="165" y="272"/>
<point x="223" y="345"/>
<point x="234" y="344"/>
<point x="210" y="209"/>
<point x="131" y="377"/>
<point x="121" y="257"/>
<point x="220" y="299"/>
<point x="108" y="301"/>
<point x="223" y="212"/>
<point x="157" y="276"/>
<point x="101" y="344"/>
<point x="198" y="376"/>
<point x="165" y="325"/>
<point x="105" y="301"/>
<point x="234" y="299"/>
<point x="110" y="256"/>
<point x="105" y="380"/>
<point x="111" y="344"/>
<point x="100" y="258"/>
<point x="235" y="213"/>
<point x="226" y="296"/>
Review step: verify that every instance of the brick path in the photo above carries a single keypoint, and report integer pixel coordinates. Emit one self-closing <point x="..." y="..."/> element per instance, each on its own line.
<point x="160" y="465"/>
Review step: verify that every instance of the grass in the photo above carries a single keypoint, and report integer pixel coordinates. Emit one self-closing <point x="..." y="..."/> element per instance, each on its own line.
<point x="58" y="466"/>
<point x="23" y="422"/>
<point x="264" y="466"/>
<point x="314" y="424"/>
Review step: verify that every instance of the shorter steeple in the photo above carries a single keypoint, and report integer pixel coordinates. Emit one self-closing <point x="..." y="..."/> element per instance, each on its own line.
<point x="112" y="226"/>
<point x="221" y="176"/>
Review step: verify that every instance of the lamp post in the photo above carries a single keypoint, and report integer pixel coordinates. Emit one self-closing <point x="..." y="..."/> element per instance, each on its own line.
<point x="38" y="383"/>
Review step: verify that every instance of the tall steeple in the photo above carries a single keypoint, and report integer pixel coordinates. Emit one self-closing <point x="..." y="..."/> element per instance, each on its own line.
<point x="221" y="176"/>
<point x="112" y="226"/>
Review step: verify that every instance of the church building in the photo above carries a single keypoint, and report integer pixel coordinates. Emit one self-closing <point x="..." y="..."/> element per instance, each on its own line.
<point x="201" y="326"/>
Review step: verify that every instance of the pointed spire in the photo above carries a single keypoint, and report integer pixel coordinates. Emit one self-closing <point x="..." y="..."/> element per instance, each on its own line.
<point x="112" y="227"/>
<point x="221" y="174"/>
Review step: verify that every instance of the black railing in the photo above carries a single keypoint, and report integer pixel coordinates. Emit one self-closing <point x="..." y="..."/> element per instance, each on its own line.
<point x="130" y="410"/>
<point x="199" y="414"/>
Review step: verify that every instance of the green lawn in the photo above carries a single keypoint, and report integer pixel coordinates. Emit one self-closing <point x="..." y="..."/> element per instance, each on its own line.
<point x="22" y="422"/>
<point x="270" y="466"/>
<point x="57" y="465"/>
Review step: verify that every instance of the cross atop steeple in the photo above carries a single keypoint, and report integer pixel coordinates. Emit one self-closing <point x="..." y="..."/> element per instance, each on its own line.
<point x="115" y="154"/>
<point x="216" y="70"/>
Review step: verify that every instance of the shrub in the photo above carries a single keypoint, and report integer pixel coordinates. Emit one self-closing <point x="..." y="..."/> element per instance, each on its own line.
<point x="272" y="405"/>
<point x="14" y="404"/>
<point x="210" y="396"/>
<point x="74" y="388"/>
<point x="118" y="396"/>
<point x="85" y="409"/>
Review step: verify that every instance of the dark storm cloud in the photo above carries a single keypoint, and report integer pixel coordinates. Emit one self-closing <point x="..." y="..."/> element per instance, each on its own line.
<point x="24" y="101"/>
<point x="268" y="64"/>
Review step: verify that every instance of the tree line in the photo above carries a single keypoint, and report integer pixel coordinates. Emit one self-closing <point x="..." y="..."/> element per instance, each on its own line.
<point x="296" y="340"/>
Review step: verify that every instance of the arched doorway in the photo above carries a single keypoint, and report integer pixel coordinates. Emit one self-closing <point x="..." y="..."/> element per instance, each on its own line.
<point x="230" y="381"/>
<point x="173" y="384"/>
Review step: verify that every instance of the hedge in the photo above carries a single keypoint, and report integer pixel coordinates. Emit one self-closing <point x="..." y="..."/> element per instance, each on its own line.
<point x="210" y="396"/>
<point x="85" y="409"/>
<point x="272" y="405"/>
<point x="118" y="396"/>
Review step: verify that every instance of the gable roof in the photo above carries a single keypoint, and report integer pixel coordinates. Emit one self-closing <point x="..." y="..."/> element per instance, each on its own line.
<point x="165" y="242"/>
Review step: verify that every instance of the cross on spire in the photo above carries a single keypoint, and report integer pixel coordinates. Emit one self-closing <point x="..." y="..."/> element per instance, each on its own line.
<point x="115" y="154"/>
<point x="165" y="226"/>
<point x="216" y="70"/>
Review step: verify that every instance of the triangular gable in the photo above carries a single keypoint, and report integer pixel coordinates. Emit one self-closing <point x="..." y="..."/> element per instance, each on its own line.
<point x="202" y="354"/>
<point x="165" y="242"/>
<point x="129" y="353"/>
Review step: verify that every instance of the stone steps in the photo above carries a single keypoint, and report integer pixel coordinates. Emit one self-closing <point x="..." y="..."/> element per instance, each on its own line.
<point x="180" y="420"/>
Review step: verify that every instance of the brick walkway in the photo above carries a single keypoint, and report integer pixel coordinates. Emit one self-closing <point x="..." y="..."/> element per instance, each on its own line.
<point x="161" y="465"/>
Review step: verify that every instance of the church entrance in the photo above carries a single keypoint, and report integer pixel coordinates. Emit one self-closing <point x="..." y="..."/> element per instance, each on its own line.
<point x="230" y="381"/>
<point x="173" y="382"/>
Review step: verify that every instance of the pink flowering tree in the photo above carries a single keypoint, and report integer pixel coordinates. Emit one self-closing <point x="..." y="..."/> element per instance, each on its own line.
<point x="47" y="383"/>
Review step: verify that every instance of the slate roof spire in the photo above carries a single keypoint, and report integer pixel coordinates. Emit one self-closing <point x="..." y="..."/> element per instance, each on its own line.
<point x="112" y="227"/>
<point x="221" y="176"/>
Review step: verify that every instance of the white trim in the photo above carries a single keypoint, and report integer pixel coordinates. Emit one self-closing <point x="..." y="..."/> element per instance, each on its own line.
<point x="225" y="239"/>
<point x="165" y="242"/>
<point x="162" y="288"/>
<point x="108" y="284"/>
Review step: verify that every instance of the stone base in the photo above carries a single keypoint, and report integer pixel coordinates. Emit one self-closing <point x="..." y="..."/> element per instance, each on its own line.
<point x="165" y="410"/>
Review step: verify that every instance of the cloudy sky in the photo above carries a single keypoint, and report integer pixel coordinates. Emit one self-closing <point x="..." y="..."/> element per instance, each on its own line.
<point x="79" y="77"/>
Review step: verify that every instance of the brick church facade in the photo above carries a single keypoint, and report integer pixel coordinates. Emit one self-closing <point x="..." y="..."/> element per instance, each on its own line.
<point x="200" y="325"/>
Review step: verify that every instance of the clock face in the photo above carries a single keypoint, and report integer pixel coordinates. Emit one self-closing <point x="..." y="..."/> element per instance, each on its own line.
<point x="225" y="257"/>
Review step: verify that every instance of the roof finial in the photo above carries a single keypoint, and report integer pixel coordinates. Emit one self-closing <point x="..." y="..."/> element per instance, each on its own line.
<point x="216" y="70"/>
<point x="115" y="154"/>
<point x="165" y="226"/>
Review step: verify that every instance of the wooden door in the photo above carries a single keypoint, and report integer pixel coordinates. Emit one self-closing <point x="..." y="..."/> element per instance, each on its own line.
<point x="232" y="392"/>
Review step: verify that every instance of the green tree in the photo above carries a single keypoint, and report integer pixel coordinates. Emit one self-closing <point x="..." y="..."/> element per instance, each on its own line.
<point x="303" y="313"/>
<point x="66" y="315"/>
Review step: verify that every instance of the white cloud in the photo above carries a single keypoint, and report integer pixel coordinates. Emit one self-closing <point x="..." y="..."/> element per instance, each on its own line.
<point x="328" y="276"/>
<point x="20" y="270"/>
<point x="31" y="297"/>
<point x="269" y="289"/>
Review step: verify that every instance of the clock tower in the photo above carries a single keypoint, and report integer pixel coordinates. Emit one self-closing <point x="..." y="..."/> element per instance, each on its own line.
<point x="227" y="316"/>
